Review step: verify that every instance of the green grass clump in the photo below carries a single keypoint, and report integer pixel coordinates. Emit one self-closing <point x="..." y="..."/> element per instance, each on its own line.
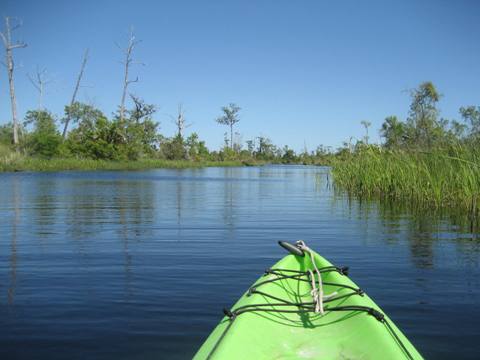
<point x="8" y="158"/>
<point x="439" y="178"/>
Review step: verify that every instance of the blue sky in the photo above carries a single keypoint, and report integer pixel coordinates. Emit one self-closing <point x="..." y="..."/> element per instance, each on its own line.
<point x="304" y="72"/>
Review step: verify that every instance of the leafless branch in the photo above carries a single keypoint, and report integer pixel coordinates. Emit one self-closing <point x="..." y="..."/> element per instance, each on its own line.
<point x="128" y="51"/>
<point x="180" y="121"/>
<point x="32" y="80"/>
<point x="18" y="24"/>
<point x="18" y="46"/>
<point x="39" y="82"/>
<point x="75" y="90"/>
<point x="4" y="39"/>
<point x="132" y="81"/>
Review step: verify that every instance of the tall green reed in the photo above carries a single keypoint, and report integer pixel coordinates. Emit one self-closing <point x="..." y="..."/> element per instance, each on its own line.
<point x="439" y="178"/>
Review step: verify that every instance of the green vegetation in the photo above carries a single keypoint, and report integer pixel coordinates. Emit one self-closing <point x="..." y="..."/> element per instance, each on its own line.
<point x="230" y="117"/>
<point x="15" y="162"/>
<point x="425" y="161"/>
<point x="438" y="178"/>
<point x="132" y="142"/>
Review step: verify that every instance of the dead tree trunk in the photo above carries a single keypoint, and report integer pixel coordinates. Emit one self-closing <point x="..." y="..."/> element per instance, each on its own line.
<point x="9" y="47"/>
<point x="180" y="121"/>
<point x="127" y="62"/>
<point x="39" y="82"/>
<point x="75" y="91"/>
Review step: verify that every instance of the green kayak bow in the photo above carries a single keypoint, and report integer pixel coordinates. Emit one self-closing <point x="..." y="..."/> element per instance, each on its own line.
<point x="305" y="308"/>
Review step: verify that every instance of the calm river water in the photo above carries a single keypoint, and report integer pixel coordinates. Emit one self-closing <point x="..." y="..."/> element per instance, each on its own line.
<point x="138" y="265"/>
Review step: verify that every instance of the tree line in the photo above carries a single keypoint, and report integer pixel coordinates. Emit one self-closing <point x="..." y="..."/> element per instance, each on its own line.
<point x="131" y="133"/>
<point x="423" y="129"/>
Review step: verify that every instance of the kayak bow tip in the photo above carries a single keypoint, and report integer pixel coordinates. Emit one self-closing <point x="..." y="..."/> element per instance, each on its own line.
<point x="291" y="248"/>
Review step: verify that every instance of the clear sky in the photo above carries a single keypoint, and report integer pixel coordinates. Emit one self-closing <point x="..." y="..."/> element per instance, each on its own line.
<point x="304" y="72"/>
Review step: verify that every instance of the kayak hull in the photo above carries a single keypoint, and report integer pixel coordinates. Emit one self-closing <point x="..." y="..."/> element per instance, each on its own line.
<point x="267" y="328"/>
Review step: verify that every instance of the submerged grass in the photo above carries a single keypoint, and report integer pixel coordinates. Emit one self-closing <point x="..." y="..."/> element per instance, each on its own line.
<point x="437" y="179"/>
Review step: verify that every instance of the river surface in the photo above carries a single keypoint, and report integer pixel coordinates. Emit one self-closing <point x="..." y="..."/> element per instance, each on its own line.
<point x="138" y="265"/>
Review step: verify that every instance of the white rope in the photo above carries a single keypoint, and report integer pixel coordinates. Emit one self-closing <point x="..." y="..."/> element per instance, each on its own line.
<point x="317" y="292"/>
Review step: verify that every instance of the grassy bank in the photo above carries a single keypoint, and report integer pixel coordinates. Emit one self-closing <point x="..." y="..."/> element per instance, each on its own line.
<point x="10" y="161"/>
<point x="436" y="179"/>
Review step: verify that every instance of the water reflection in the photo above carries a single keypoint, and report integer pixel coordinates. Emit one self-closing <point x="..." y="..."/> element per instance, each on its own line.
<point x="13" y="247"/>
<point x="179" y="204"/>
<point x="421" y="228"/>
<point x="229" y="199"/>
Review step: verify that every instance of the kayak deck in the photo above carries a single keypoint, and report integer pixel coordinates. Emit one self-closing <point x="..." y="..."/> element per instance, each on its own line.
<point x="275" y="319"/>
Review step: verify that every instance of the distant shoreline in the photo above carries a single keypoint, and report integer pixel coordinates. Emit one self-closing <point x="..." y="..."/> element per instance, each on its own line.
<point x="21" y="163"/>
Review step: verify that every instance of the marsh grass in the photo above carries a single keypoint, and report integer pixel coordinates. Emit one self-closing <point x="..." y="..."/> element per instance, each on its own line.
<point x="8" y="157"/>
<point x="436" y="179"/>
<point x="11" y="161"/>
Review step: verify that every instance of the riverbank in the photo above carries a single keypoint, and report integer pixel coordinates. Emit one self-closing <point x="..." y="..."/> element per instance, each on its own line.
<point x="14" y="163"/>
<point x="11" y="161"/>
<point x="437" y="179"/>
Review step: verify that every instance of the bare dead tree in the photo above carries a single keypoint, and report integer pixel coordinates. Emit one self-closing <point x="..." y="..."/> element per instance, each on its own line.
<point x="180" y="121"/>
<point x="10" y="65"/>
<point x="132" y="42"/>
<point x="75" y="90"/>
<point x="39" y="81"/>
